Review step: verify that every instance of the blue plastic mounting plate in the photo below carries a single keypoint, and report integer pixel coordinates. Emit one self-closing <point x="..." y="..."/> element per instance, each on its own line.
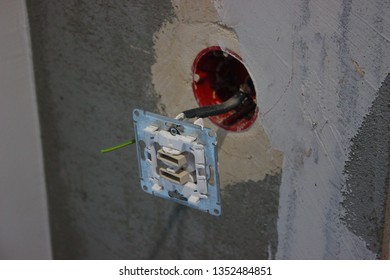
<point x="178" y="161"/>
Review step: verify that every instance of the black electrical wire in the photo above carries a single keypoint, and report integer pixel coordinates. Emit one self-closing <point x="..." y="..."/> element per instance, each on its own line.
<point x="201" y="112"/>
<point x="213" y="110"/>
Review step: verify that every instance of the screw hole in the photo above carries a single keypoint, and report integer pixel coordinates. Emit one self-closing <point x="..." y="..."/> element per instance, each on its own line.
<point x="211" y="179"/>
<point x="145" y="188"/>
<point x="216" y="211"/>
<point x="142" y="147"/>
<point x="136" y="113"/>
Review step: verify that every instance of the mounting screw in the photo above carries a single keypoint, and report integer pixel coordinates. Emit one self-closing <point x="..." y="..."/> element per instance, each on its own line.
<point x="173" y="131"/>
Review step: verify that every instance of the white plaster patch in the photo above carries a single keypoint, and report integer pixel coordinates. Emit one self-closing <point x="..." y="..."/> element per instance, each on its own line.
<point x="316" y="66"/>
<point x="242" y="156"/>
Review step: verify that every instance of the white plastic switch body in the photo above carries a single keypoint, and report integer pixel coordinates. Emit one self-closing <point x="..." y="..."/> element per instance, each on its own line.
<point x="178" y="161"/>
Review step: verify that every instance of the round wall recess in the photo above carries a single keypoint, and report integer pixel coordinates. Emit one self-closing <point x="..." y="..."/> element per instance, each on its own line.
<point x="217" y="76"/>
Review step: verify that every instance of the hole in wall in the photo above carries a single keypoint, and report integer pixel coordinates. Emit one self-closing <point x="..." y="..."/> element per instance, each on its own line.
<point x="217" y="76"/>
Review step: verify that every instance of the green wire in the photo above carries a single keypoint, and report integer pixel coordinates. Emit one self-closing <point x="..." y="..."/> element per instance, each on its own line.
<point x="132" y="141"/>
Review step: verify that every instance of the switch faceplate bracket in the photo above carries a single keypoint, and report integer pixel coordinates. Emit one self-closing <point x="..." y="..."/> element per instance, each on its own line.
<point x="178" y="161"/>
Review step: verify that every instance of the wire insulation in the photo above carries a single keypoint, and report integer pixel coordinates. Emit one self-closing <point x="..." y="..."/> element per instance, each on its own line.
<point x="132" y="141"/>
<point x="201" y="112"/>
<point x="213" y="110"/>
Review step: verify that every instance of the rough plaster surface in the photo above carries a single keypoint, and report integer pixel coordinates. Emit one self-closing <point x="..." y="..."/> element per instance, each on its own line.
<point x="365" y="194"/>
<point x="93" y="63"/>
<point x="194" y="28"/>
<point x="385" y="254"/>
<point x="317" y="68"/>
<point x="89" y="60"/>
<point x="244" y="231"/>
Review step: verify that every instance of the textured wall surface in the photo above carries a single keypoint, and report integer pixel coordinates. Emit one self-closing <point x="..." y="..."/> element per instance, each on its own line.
<point x="317" y="68"/>
<point x="93" y="67"/>
<point x="194" y="27"/>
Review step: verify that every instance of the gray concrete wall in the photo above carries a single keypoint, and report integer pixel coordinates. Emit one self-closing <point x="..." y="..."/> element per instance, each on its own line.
<point x="317" y="69"/>
<point x="24" y="225"/>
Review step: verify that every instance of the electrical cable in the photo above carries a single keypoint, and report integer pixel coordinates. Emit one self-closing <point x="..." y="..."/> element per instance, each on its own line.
<point x="213" y="110"/>
<point x="200" y="112"/>
<point x="127" y="143"/>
